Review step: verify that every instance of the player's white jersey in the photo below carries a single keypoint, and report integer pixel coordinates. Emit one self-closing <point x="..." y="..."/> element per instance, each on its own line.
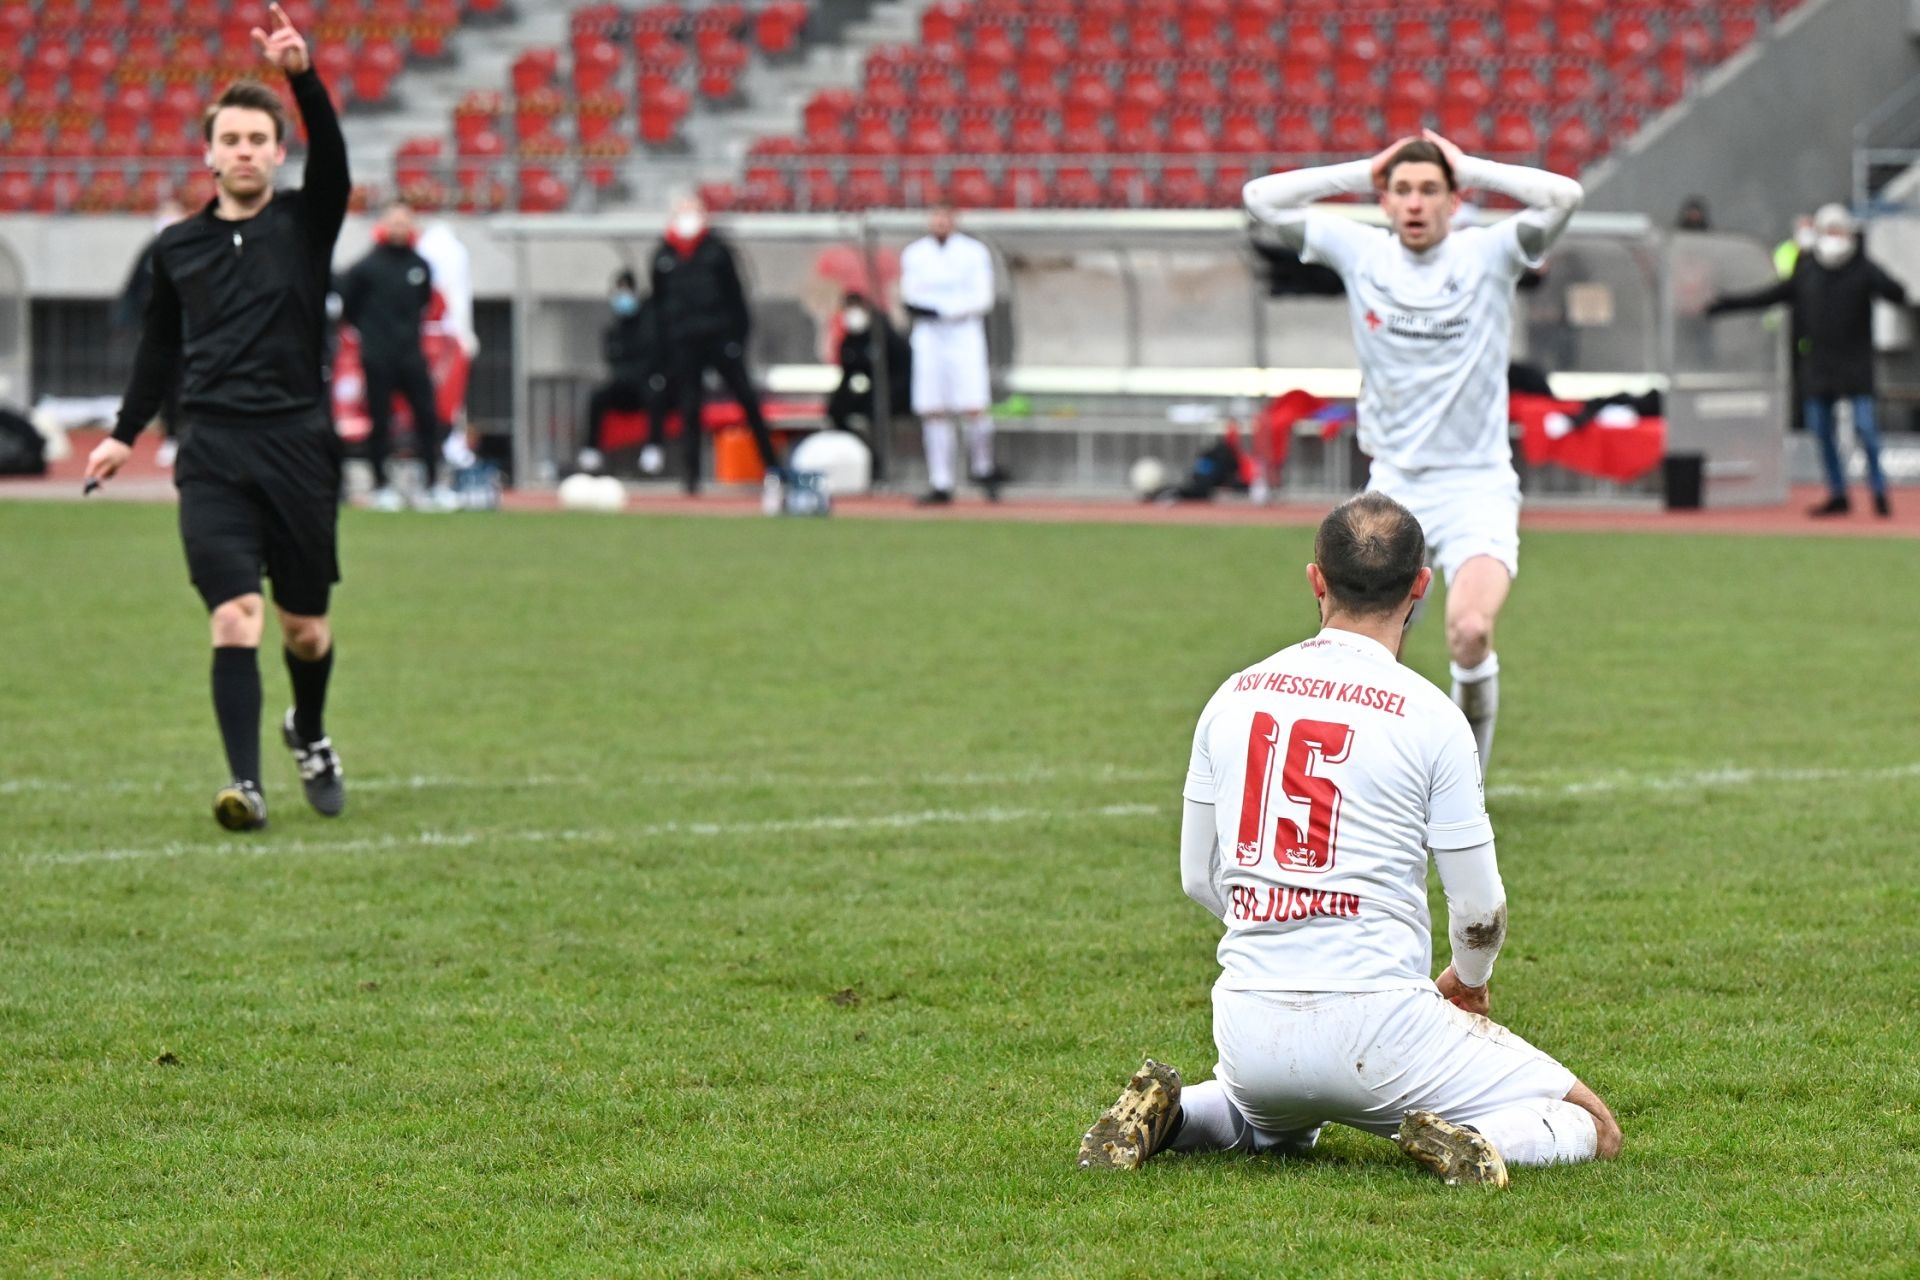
<point x="1331" y="770"/>
<point x="1434" y="332"/>
<point x="954" y="279"/>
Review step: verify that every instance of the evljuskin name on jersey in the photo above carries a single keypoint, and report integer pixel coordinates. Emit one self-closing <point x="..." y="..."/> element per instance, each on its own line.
<point x="1360" y="695"/>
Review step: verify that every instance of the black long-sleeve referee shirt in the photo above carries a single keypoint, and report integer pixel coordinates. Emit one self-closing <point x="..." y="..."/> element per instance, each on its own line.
<point x="238" y="312"/>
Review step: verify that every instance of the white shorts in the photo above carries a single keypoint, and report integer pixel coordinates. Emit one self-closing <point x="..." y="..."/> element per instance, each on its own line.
<point x="950" y="367"/>
<point x="1464" y="511"/>
<point x="1293" y="1061"/>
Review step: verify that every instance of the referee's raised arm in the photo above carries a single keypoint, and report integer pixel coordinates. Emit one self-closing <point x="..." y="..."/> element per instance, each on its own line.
<point x="327" y="184"/>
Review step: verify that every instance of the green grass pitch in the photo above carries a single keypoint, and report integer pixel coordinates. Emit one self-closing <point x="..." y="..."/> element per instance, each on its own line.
<point x="735" y="897"/>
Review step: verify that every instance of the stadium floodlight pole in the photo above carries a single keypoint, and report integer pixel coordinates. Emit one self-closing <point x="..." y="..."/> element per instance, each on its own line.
<point x="882" y="366"/>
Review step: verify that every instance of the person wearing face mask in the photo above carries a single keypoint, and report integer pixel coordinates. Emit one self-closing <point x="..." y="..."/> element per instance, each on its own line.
<point x="1831" y="293"/>
<point x="864" y="330"/>
<point x="702" y="322"/>
<point x="635" y="380"/>
<point x="385" y="297"/>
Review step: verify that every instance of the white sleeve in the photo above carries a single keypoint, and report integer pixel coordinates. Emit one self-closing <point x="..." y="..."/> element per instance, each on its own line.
<point x="1476" y="909"/>
<point x="912" y="286"/>
<point x="1280" y="200"/>
<point x="1456" y="799"/>
<point x="1199" y="786"/>
<point x="1551" y="201"/>
<point x="978" y="297"/>
<point x="1198" y="861"/>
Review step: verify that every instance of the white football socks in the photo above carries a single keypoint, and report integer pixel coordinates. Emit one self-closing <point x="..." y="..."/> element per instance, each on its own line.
<point x="1210" y="1122"/>
<point x="980" y="444"/>
<point x="938" y="437"/>
<point x="1476" y="691"/>
<point x="1541" y="1132"/>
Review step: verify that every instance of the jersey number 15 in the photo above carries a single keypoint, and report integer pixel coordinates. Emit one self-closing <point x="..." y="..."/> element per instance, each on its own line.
<point x="1310" y="742"/>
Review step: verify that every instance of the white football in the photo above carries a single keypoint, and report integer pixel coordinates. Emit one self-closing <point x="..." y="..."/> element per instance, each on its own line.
<point x="1147" y="476"/>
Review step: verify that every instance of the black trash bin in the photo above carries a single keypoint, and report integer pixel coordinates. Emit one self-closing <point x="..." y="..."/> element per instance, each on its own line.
<point x="1683" y="477"/>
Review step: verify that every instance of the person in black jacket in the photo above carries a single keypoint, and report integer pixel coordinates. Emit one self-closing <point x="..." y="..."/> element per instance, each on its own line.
<point x="385" y="296"/>
<point x="1831" y="291"/>
<point x="238" y="317"/>
<point x="856" y="396"/>
<point x="702" y="318"/>
<point x="635" y="379"/>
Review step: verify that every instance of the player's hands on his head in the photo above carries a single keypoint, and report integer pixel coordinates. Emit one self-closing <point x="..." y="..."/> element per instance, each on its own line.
<point x="1472" y="999"/>
<point x="285" y="48"/>
<point x="1378" y="167"/>
<point x="1453" y="154"/>
<point x="106" y="459"/>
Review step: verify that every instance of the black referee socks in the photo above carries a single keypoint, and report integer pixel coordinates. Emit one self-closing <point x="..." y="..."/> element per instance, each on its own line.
<point x="309" y="693"/>
<point x="236" y="703"/>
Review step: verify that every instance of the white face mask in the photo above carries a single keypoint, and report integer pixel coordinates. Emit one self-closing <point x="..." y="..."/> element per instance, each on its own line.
<point x="688" y="225"/>
<point x="858" y="321"/>
<point x="1832" y="250"/>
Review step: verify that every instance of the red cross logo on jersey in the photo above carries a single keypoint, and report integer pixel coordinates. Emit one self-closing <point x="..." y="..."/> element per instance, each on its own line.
<point x="1373" y="320"/>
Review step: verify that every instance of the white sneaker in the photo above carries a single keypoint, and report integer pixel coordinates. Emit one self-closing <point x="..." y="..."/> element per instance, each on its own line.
<point x="590" y="461"/>
<point x="437" y="499"/>
<point x="651" y="460"/>
<point x="386" y="499"/>
<point x="167" y="452"/>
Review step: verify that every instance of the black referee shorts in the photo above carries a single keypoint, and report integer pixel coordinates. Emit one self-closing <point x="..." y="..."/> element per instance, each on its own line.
<point x="261" y="498"/>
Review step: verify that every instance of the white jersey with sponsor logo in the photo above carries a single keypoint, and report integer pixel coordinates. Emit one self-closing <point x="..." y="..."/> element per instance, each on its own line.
<point x="1331" y="770"/>
<point x="1434" y="332"/>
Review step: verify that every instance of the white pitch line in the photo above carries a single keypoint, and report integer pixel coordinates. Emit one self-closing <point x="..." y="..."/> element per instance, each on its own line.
<point x="267" y="846"/>
<point x="689" y="780"/>
<point x="1696" y="780"/>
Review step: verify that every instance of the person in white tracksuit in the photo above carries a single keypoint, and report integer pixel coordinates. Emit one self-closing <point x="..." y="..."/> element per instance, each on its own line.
<point x="946" y="282"/>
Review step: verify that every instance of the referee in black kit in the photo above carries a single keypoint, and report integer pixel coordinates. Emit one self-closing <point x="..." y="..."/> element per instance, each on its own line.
<point x="238" y="316"/>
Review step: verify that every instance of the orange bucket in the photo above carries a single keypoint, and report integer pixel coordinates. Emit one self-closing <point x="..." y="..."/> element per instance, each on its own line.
<point x="736" y="459"/>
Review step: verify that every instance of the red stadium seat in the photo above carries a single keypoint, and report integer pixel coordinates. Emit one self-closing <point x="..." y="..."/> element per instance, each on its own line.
<point x="1025" y="187"/>
<point x="1033" y="134"/>
<point x="1737" y="30"/>
<point x="1142" y="101"/>
<point x="1460" y="123"/>
<point x="1575" y="82"/>
<point x="1187" y="133"/>
<point x="595" y="66"/>
<point x="1241" y="131"/>
<point x="940" y="24"/>
<point x="374" y="71"/>
<point x="1097" y="35"/>
<point x="1413" y="39"/>
<point x="1129" y="187"/>
<point x="971" y="188"/>
<point x="1468" y="88"/>
<point x="535" y="69"/>
<point x="926" y="135"/>
<point x="1359" y="41"/>
<point x="1352" y="131"/>
<point x="1145" y="37"/>
<point x="1250" y="85"/>
<point x="1194" y="86"/>
<point x="934" y="87"/>
<point x="980" y="135"/>
<point x="1469" y="38"/>
<point x="1520" y="87"/>
<point x="1297" y="136"/>
<point x="1185" y="187"/>
<point x="986" y="85"/>
<point x="874" y="135"/>
<point x="1571" y="146"/>
<point x="542" y="192"/>
<point x="868" y="188"/>
<point x="1514" y="135"/>
<point x="1356" y="83"/>
<point x="1303" y="83"/>
<point x="1632" y="40"/>
<point x="827" y="112"/>
<point x="1306" y="38"/>
<point x="1076" y="187"/>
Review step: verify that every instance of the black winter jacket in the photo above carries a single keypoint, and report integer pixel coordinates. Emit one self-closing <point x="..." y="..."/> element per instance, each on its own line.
<point x="1833" y="311"/>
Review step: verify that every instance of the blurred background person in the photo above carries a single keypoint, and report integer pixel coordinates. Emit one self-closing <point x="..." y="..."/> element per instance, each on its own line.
<point x="635" y="379"/>
<point x="1693" y="215"/>
<point x="131" y="310"/>
<point x="385" y="297"/>
<point x="946" y="282"/>
<point x="865" y="331"/>
<point x="1831" y="292"/>
<point x="702" y="322"/>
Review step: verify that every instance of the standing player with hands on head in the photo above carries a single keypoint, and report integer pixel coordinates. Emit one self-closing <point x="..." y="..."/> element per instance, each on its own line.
<point x="1319" y="779"/>
<point x="238" y="316"/>
<point x="1432" y="312"/>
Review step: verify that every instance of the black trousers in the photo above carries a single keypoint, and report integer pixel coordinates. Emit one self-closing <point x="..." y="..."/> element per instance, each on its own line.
<point x="692" y="357"/>
<point x="410" y="378"/>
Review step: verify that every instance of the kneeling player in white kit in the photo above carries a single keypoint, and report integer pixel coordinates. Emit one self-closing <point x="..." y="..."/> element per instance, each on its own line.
<point x="1432" y="312"/>
<point x="946" y="282"/>
<point x="1319" y="779"/>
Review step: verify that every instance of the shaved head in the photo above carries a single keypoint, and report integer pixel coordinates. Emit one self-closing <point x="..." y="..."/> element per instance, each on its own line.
<point x="1370" y="549"/>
